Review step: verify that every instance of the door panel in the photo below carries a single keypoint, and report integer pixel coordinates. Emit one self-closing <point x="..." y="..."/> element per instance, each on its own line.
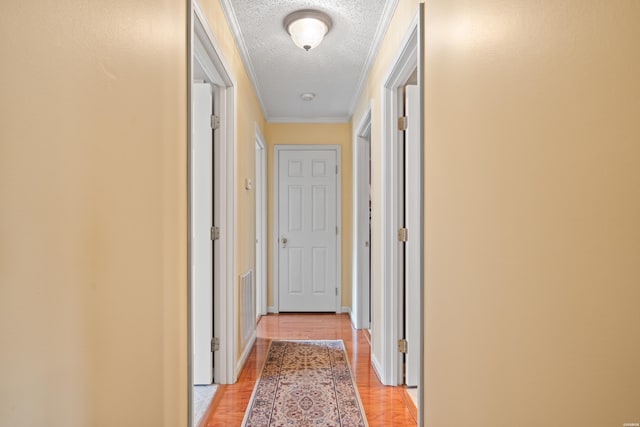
<point x="307" y="209"/>
<point x="319" y="208"/>
<point x="296" y="278"/>
<point x="412" y="246"/>
<point x="201" y="222"/>
<point x="295" y="208"/>
<point x="319" y="273"/>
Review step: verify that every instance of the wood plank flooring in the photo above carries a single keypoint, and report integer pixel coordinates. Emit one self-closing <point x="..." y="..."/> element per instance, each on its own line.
<point x="384" y="406"/>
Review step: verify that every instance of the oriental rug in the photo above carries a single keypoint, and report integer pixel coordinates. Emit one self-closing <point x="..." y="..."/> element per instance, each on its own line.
<point x="304" y="384"/>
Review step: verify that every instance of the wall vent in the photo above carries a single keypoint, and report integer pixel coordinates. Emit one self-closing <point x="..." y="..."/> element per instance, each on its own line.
<point x="247" y="306"/>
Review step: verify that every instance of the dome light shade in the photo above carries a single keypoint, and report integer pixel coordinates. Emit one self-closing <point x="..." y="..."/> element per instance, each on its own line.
<point x="307" y="28"/>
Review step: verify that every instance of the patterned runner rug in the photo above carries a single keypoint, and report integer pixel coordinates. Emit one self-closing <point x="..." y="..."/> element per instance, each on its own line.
<point x="303" y="384"/>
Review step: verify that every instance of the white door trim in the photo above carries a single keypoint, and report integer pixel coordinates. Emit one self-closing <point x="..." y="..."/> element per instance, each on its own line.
<point x="360" y="289"/>
<point x="204" y="49"/>
<point x="409" y="56"/>
<point x="261" y="232"/>
<point x="401" y="68"/>
<point x="276" y="231"/>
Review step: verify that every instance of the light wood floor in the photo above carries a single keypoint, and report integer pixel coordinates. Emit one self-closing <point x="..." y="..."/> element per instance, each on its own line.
<point x="384" y="406"/>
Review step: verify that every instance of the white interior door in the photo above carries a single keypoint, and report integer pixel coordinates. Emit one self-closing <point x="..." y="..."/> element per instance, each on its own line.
<point x="412" y="246"/>
<point x="363" y="230"/>
<point x="261" y="229"/>
<point x="201" y="222"/>
<point x="307" y="226"/>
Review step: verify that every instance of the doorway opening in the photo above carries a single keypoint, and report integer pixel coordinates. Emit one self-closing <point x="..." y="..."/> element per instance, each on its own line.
<point x="211" y="212"/>
<point x="402" y="215"/>
<point x="361" y="310"/>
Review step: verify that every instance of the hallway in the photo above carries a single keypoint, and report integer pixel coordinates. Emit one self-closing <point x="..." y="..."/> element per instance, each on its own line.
<point x="384" y="406"/>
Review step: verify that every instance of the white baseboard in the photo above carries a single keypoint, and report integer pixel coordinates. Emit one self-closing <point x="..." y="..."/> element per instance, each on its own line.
<point x="245" y="355"/>
<point x="345" y="309"/>
<point x="377" y="367"/>
<point x="353" y="320"/>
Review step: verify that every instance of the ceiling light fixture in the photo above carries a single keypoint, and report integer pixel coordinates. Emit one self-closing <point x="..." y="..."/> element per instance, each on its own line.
<point x="307" y="27"/>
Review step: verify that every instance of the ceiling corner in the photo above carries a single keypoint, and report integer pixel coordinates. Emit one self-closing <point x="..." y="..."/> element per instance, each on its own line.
<point x="383" y="25"/>
<point x="234" y="26"/>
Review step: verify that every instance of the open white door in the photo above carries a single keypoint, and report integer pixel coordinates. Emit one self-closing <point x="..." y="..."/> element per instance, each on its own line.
<point x="308" y="230"/>
<point x="364" y="199"/>
<point x="201" y="223"/>
<point x="261" y="226"/>
<point x="361" y="296"/>
<point x="413" y="263"/>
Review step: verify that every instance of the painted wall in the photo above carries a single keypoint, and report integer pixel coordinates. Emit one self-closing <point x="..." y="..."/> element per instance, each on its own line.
<point x="313" y="133"/>
<point x="248" y="114"/>
<point x="532" y="213"/>
<point x="372" y="95"/>
<point x="93" y="322"/>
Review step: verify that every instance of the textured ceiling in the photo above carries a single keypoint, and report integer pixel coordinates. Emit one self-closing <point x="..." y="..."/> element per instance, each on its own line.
<point x="335" y="70"/>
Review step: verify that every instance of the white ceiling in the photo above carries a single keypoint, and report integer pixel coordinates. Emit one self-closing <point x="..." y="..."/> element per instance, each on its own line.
<point x="335" y="70"/>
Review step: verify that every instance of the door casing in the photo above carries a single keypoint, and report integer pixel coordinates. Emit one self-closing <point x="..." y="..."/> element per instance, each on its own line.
<point x="400" y="70"/>
<point x="409" y="56"/>
<point x="204" y="49"/>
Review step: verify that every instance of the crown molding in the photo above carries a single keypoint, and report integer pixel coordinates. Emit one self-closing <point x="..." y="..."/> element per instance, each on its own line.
<point x="234" y="26"/>
<point x="340" y="119"/>
<point x="383" y="25"/>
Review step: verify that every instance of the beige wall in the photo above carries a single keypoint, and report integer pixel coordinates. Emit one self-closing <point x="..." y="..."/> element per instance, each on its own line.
<point x="93" y="222"/>
<point x="248" y="114"/>
<point x="532" y="242"/>
<point x="313" y="133"/>
<point x="532" y="213"/>
<point x="93" y="217"/>
<point x="371" y="95"/>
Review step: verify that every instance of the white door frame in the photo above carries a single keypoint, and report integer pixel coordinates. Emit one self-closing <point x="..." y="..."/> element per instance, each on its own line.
<point x="204" y="49"/>
<point x="404" y="63"/>
<point x="409" y="57"/>
<point x="261" y="222"/>
<point x="360" y="286"/>
<point x="276" y="226"/>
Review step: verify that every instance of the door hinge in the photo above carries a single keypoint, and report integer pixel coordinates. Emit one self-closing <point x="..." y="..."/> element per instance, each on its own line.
<point x="403" y="234"/>
<point x="337" y="231"/>
<point x="336" y="291"/>
<point x="402" y="345"/>
<point x="215" y="233"/>
<point x="402" y="123"/>
<point x="215" y="344"/>
<point x="215" y="121"/>
<point x="336" y="169"/>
